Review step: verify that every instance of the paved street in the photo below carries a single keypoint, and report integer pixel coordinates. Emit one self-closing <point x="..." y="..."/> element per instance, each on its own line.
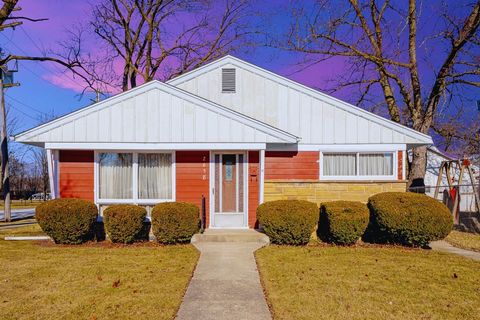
<point x="19" y="214"/>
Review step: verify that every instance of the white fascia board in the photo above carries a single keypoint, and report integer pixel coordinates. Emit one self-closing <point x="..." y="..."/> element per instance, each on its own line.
<point x="423" y="139"/>
<point x="155" y="146"/>
<point x="435" y="150"/>
<point x="337" y="147"/>
<point x="201" y="70"/>
<point x="209" y="105"/>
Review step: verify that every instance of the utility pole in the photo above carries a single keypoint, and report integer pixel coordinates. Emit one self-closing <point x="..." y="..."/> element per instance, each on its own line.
<point x="6" y="81"/>
<point x="7" y="213"/>
<point x="7" y="75"/>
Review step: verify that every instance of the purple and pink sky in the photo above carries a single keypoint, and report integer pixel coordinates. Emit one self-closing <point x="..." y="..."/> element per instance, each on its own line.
<point x="46" y="90"/>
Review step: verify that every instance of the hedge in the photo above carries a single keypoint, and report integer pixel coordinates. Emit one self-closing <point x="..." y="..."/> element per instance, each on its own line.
<point x="342" y="222"/>
<point x="67" y="221"/>
<point x="290" y="222"/>
<point x="125" y="223"/>
<point x="406" y="218"/>
<point x="175" y="222"/>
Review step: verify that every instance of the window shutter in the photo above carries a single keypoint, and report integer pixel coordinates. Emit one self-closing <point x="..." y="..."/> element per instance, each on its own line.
<point x="228" y="80"/>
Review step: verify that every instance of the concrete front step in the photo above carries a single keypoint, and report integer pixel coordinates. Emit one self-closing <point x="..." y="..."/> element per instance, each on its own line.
<point x="231" y="235"/>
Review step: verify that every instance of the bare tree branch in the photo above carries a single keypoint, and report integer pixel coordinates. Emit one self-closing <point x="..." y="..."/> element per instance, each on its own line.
<point x="388" y="47"/>
<point x="164" y="38"/>
<point x="27" y="18"/>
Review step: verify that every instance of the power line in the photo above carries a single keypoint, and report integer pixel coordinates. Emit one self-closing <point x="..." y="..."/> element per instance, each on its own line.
<point x="28" y="36"/>
<point x="25" y="67"/>
<point x="40" y="50"/>
<point x="24" y="113"/>
<point x="26" y="105"/>
<point x="40" y="65"/>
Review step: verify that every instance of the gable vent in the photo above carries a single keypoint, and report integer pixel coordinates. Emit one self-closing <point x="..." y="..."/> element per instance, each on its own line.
<point x="228" y="80"/>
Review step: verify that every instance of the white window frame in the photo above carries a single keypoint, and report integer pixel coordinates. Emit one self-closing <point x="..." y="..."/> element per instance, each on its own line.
<point x="135" y="199"/>
<point x="358" y="177"/>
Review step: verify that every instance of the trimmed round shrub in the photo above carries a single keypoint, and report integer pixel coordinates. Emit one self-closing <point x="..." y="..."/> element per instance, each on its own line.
<point x="408" y="219"/>
<point x="343" y="222"/>
<point x="175" y="222"/>
<point x="67" y="221"/>
<point x="125" y="223"/>
<point x="290" y="222"/>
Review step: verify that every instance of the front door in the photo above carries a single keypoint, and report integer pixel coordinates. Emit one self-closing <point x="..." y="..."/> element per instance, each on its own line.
<point x="229" y="190"/>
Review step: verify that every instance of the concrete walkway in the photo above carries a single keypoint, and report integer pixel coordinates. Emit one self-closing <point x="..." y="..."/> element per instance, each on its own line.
<point x="226" y="284"/>
<point x="443" y="246"/>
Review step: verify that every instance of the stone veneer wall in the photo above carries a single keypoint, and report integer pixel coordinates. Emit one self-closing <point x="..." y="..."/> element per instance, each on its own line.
<point x="318" y="192"/>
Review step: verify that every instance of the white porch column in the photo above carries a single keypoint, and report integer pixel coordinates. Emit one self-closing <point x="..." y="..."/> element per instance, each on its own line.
<point x="52" y="161"/>
<point x="262" y="175"/>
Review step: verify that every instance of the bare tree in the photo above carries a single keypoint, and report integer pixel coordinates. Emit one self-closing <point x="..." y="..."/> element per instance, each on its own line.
<point x="380" y="40"/>
<point x="159" y="39"/>
<point x="460" y="136"/>
<point x="71" y="59"/>
<point x="40" y="167"/>
<point x="41" y="170"/>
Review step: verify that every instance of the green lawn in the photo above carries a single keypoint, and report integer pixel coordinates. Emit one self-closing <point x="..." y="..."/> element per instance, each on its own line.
<point x="464" y="240"/>
<point x="46" y="281"/>
<point x="326" y="282"/>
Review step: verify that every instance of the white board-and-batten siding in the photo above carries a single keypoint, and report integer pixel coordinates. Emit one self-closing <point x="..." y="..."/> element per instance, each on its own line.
<point x="155" y="114"/>
<point x="315" y="117"/>
<point x="264" y="109"/>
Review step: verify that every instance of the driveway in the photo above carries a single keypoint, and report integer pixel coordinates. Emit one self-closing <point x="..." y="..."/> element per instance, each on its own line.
<point x="19" y="214"/>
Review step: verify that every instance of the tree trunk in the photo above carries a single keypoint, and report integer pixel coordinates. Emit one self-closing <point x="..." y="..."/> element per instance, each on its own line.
<point x="125" y="78"/>
<point x="418" y="166"/>
<point x="133" y="79"/>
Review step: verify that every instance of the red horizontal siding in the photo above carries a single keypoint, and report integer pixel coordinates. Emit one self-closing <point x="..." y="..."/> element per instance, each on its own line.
<point x="76" y="174"/>
<point x="291" y="165"/>
<point x="192" y="177"/>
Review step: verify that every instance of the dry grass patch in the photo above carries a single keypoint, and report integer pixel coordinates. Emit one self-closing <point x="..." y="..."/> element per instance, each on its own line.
<point x="92" y="282"/>
<point x="18" y="222"/>
<point x="22" y="204"/>
<point x="464" y="240"/>
<point x="330" y="282"/>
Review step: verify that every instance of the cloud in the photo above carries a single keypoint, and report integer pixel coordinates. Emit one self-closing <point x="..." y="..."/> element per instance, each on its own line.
<point x="76" y="84"/>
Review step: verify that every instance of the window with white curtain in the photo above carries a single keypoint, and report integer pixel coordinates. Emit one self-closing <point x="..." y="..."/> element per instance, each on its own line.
<point x="339" y="164"/>
<point x="154" y="176"/>
<point x="376" y="164"/>
<point x="115" y="175"/>
<point x="135" y="177"/>
<point x="358" y="164"/>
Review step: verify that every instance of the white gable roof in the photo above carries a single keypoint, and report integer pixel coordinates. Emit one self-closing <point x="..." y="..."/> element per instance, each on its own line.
<point x="314" y="116"/>
<point x="155" y="113"/>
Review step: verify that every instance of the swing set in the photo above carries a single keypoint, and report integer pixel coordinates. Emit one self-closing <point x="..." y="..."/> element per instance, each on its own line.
<point x="450" y="168"/>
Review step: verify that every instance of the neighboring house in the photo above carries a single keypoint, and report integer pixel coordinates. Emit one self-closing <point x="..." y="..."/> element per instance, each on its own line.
<point x="434" y="160"/>
<point x="230" y="131"/>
